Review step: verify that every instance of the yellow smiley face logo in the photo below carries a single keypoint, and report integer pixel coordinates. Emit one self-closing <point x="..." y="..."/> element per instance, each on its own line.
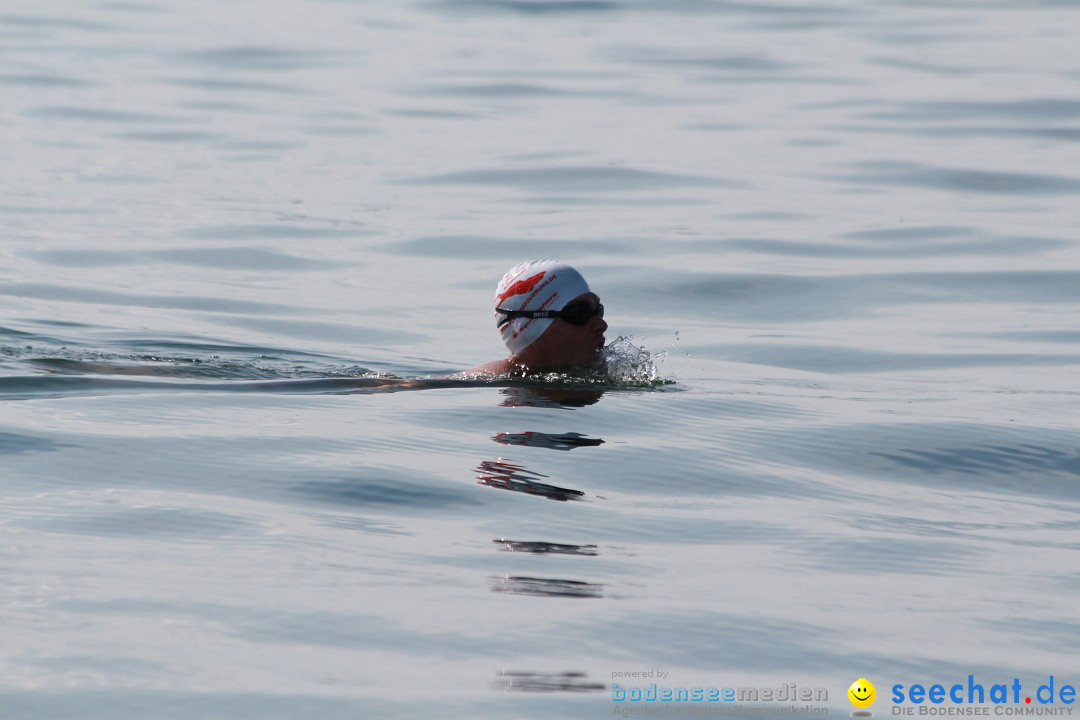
<point x="862" y="693"/>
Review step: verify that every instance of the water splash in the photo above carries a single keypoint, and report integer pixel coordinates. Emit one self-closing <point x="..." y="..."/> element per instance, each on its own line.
<point x="628" y="364"/>
<point x="621" y="365"/>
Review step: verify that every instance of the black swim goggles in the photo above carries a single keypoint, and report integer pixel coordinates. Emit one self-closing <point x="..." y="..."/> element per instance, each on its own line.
<point x="577" y="313"/>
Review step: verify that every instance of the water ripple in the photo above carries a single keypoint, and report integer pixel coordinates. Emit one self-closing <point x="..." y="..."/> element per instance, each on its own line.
<point x="817" y="358"/>
<point x="13" y="443"/>
<point x="234" y="258"/>
<point x="375" y="492"/>
<point x="166" y="524"/>
<point x="99" y="115"/>
<point x="53" y="23"/>
<point x="502" y="90"/>
<point x="44" y="80"/>
<point x="981" y="460"/>
<point x="526" y="7"/>
<point x="1036" y="109"/>
<point x="261" y="59"/>
<point x="476" y="246"/>
<point x="886" y="555"/>
<point x="898" y="242"/>
<point x="72" y="294"/>
<point x="263" y="231"/>
<point x="959" y="179"/>
<point x="596" y="179"/>
<point x="229" y="87"/>
<point x="758" y="297"/>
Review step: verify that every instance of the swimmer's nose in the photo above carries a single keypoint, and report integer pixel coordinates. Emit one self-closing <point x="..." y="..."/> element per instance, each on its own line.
<point x="603" y="326"/>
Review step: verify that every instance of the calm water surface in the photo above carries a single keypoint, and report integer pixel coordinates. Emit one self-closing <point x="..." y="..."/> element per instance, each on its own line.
<point x="244" y="244"/>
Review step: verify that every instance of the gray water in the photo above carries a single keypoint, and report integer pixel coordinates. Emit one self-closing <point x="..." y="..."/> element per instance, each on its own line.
<point x="244" y="244"/>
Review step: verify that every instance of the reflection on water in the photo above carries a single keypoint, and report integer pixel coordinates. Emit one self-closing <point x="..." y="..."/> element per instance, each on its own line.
<point x="554" y="397"/>
<point x="505" y="475"/>
<point x="564" y="441"/>
<point x="511" y="681"/>
<point x="546" y="587"/>
<point x="545" y="548"/>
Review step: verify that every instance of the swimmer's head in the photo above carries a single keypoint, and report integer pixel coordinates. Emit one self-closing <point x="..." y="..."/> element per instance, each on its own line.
<point x="534" y="286"/>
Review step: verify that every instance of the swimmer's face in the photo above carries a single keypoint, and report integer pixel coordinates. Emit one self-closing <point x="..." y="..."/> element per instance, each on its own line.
<point x="568" y="345"/>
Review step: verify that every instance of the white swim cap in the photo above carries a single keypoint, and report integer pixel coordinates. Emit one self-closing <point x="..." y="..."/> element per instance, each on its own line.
<point x="536" y="285"/>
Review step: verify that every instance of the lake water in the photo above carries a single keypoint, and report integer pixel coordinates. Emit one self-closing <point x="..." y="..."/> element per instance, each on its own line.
<point x="847" y="233"/>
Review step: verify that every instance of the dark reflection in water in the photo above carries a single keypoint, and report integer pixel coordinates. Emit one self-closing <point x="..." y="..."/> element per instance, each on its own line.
<point x="525" y="396"/>
<point x="512" y="681"/>
<point x="564" y="441"/>
<point x="546" y="587"/>
<point x="506" y="475"/>
<point x="545" y="548"/>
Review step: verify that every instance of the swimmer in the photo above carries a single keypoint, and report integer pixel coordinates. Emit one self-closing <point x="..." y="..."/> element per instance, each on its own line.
<point x="548" y="319"/>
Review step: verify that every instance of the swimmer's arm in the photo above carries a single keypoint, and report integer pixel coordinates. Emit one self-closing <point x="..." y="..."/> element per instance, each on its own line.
<point x="489" y="369"/>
